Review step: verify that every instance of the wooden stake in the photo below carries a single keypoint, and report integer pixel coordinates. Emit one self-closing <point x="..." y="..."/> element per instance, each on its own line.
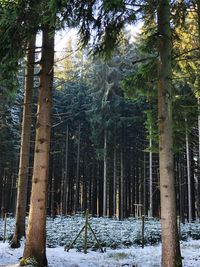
<point x="85" y="236"/>
<point x="86" y="228"/>
<point x="143" y="231"/>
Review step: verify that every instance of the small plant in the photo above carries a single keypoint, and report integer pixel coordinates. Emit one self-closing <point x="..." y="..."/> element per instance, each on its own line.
<point x="118" y="256"/>
<point x="28" y="262"/>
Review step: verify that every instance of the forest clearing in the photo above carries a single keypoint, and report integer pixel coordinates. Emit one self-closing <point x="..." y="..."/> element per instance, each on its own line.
<point x="100" y="117"/>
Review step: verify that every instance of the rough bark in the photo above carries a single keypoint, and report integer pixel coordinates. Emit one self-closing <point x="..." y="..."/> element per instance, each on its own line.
<point x="198" y="179"/>
<point x="198" y="86"/>
<point x="35" y="246"/>
<point x="171" y="256"/>
<point x="24" y="149"/>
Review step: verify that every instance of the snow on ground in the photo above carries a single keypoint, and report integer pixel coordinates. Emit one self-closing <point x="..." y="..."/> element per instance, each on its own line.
<point x="134" y="256"/>
<point x="122" y="240"/>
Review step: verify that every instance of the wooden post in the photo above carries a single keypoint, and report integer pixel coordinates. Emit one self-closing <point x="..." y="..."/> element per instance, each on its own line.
<point x="143" y="217"/>
<point x="86" y="225"/>
<point x="86" y="228"/>
<point x="74" y="240"/>
<point x="99" y="245"/>
<point x="5" y="226"/>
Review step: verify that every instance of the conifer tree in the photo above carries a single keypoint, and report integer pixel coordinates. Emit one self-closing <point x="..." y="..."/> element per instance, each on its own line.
<point x="170" y="242"/>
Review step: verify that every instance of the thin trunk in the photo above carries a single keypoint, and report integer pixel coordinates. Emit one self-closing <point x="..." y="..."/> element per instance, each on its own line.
<point x="35" y="246"/>
<point x="105" y="175"/>
<point x="150" y="176"/>
<point x="76" y="206"/>
<point x="181" y="200"/>
<point x="66" y="179"/>
<point x="144" y="186"/>
<point x="121" y="185"/>
<point x="188" y="173"/>
<point x="24" y="149"/>
<point x="171" y="255"/>
<point x="114" y="179"/>
<point x="197" y="90"/>
<point x="94" y="187"/>
<point x="52" y="194"/>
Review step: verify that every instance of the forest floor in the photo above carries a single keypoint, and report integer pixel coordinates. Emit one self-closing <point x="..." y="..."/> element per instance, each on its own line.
<point x="120" y="239"/>
<point x="134" y="256"/>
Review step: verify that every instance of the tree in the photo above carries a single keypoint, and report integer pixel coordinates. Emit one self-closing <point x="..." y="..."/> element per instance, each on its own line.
<point x="171" y="255"/>
<point x="35" y="246"/>
<point x="25" y="148"/>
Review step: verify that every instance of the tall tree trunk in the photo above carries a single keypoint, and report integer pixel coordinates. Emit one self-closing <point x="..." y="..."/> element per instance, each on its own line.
<point x="35" y="246"/>
<point x="144" y="185"/>
<point x="66" y="180"/>
<point x="188" y="172"/>
<point x="171" y="255"/>
<point x="181" y="184"/>
<point x="150" y="175"/>
<point x="52" y="192"/>
<point x="198" y="176"/>
<point x="25" y="148"/>
<point x="105" y="175"/>
<point x="121" y="211"/>
<point x="114" y="179"/>
<point x="197" y="90"/>
<point x="94" y="187"/>
<point x="77" y="191"/>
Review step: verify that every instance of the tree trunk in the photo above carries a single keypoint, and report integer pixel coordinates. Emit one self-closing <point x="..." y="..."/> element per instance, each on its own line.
<point x="171" y="255"/>
<point x="24" y="149"/>
<point x="76" y="206"/>
<point x="35" y="246"/>
<point x="150" y="175"/>
<point x="198" y="176"/>
<point x="197" y="90"/>
<point x="66" y="180"/>
<point x="94" y="187"/>
<point x="114" y="179"/>
<point x="188" y="173"/>
<point x="121" y="211"/>
<point x="105" y="175"/>
<point x="144" y="185"/>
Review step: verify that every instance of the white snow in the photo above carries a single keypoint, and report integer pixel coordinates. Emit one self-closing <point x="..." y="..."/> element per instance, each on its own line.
<point x="123" y="235"/>
<point x="150" y="256"/>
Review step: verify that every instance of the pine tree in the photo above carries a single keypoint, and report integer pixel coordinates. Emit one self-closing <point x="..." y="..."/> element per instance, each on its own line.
<point x="25" y="148"/>
<point x="35" y="246"/>
<point x="170" y="244"/>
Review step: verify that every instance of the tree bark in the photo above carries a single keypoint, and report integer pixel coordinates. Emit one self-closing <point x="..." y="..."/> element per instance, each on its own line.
<point x="66" y="179"/>
<point x="114" y="179"/>
<point x="198" y="99"/>
<point x="77" y="190"/>
<point x="105" y="175"/>
<point x="121" y="211"/>
<point x="171" y="255"/>
<point x="35" y="246"/>
<point x="198" y="177"/>
<point x="25" y="148"/>
<point x="150" y="175"/>
<point x="188" y="173"/>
